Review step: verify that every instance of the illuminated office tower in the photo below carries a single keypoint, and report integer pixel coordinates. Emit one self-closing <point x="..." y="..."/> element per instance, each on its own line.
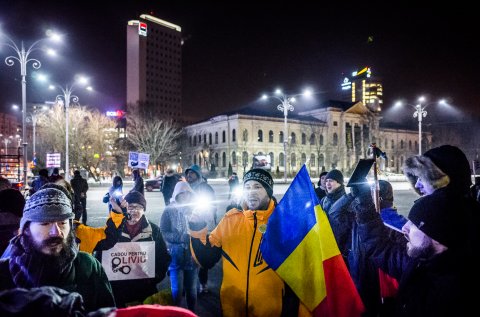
<point x="154" y="66"/>
<point x="361" y="86"/>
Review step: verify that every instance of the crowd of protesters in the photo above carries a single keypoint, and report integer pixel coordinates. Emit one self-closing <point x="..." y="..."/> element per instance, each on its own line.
<point x="419" y="265"/>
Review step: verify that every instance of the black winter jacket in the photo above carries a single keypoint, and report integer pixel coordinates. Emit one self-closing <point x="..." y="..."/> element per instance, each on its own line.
<point x="438" y="286"/>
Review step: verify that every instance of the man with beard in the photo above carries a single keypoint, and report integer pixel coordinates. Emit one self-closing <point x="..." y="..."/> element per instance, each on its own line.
<point x="45" y="253"/>
<point x="249" y="286"/>
<point x="434" y="270"/>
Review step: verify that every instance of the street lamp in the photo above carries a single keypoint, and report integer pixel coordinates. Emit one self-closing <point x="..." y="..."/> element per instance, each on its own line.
<point x="420" y="113"/>
<point x="65" y="99"/>
<point x="23" y="57"/>
<point x="33" y="117"/>
<point x="285" y="106"/>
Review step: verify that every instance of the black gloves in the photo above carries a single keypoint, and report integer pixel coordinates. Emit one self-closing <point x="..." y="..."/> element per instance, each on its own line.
<point x="363" y="204"/>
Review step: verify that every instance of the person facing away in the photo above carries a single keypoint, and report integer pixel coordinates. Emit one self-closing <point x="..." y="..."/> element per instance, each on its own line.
<point x="233" y="183"/>
<point x="40" y="181"/>
<point x="55" y="175"/>
<point x="335" y="189"/>
<point x="206" y="194"/>
<point x="45" y="253"/>
<point x="183" y="270"/>
<point x="135" y="228"/>
<point x="321" y="190"/>
<point x="168" y="185"/>
<point x="11" y="210"/>
<point x="433" y="268"/>
<point x="138" y="184"/>
<point x="80" y="188"/>
<point x="249" y="286"/>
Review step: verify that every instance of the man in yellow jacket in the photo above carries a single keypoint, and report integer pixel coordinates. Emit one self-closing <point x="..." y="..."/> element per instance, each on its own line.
<point x="249" y="286"/>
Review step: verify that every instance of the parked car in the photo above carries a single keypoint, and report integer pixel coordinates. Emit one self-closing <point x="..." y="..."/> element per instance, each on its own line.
<point x="154" y="183"/>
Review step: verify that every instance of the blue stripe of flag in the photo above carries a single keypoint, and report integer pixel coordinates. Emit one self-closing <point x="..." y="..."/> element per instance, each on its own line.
<point x="291" y="220"/>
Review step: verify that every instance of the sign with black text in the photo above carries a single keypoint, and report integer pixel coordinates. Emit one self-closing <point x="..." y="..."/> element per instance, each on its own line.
<point x="53" y="160"/>
<point x="129" y="261"/>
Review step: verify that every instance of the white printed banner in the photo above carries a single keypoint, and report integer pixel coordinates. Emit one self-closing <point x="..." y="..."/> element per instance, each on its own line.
<point x="129" y="261"/>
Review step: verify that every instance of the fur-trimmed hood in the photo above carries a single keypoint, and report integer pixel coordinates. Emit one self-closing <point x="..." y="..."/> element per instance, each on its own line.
<point x="420" y="166"/>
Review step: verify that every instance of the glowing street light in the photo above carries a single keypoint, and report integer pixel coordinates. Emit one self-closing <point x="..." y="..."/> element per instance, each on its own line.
<point x="420" y="113"/>
<point x="23" y="58"/>
<point x="285" y="106"/>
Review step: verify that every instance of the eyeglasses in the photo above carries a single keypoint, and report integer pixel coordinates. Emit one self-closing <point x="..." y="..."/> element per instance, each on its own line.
<point x="135" y="207"/>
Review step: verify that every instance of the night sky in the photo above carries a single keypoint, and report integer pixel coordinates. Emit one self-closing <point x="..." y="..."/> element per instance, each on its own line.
<point x="234" y="54"/>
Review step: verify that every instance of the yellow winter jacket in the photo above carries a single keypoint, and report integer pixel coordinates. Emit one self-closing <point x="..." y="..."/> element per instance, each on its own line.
<point x="249" y="286"/>
<point x="90" y="236"/>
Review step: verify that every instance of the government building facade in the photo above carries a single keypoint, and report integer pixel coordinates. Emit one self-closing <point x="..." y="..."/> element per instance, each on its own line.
<point x="335" y="134"/>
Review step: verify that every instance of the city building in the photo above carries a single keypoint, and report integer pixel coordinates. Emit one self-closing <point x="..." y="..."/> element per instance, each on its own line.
<point x="154" y="66"/>
<point x="335" y="134"/>
<point x="362" y="86"/>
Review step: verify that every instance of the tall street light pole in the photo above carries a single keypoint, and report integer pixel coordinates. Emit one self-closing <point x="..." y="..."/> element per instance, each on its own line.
<point x="65" y="99"/>
<point x="420" y="113"/>
<point x="285" y="106"/>
<point x="23" y="57"/>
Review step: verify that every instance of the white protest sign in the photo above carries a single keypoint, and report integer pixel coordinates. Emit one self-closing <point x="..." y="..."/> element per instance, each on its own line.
<point x="53" y="159"/>
<point x="129" y="261"/>
<point x="138" y="160"/>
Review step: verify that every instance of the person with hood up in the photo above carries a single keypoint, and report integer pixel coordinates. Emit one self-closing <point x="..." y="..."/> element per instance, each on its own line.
<point x="138" y="184"/>
<point x="434" y="268"/>
<point x="206" y="194"/>
<point x="444" y="171"/>
<point x="115" y="191"/>
<point x="183" y="270"/>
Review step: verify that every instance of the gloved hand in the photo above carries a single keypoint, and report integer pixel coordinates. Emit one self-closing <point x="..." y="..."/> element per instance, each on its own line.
<point x="360" y="189"/>
<point x="363" y="204"/>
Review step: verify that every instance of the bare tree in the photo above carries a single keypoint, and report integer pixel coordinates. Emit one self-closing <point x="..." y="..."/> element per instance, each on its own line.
<point x="153" y="136"/>
<point x="91" y="136"/>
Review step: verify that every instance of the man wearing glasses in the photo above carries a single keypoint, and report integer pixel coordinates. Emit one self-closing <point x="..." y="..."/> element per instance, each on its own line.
<point x="134" y="254"/>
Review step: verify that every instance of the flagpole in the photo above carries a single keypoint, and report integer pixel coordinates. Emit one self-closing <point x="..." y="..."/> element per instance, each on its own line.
<point x="376" y="199"/>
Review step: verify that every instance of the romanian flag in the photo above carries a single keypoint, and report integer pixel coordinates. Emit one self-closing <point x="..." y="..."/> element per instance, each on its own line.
<point x="299" y="245"/>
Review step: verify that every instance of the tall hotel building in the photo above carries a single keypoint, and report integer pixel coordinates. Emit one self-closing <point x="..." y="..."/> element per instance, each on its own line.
<point x="154" y="66"/>
<point x="361" y="86"/>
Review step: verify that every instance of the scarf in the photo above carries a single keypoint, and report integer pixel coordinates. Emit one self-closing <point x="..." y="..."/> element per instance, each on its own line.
<point x="31" y="268"/>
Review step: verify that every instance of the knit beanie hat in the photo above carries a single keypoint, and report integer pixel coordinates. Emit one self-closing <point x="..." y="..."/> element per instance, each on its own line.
<point x="180" y="187"/>
<point x="135" y="197"/>
<point x="453" y="162"/>
<point x="335" y="175"/>
<point x="261" y="176"/>
<point x="47" y="205"/>
<point x="12" y="201"/>
<point x="436" y="215"/>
